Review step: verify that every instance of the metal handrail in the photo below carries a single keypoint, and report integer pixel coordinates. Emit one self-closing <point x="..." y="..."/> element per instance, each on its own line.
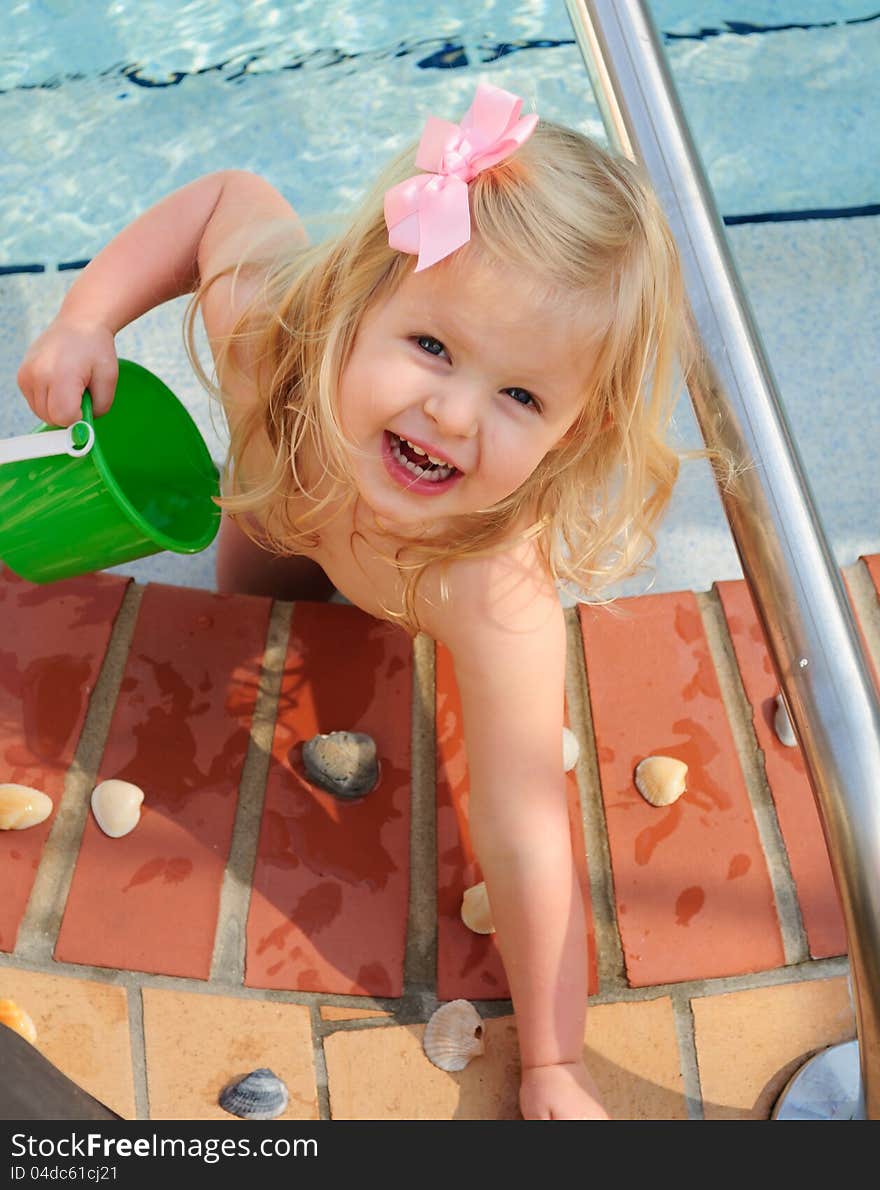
<point x="812" y="636"/>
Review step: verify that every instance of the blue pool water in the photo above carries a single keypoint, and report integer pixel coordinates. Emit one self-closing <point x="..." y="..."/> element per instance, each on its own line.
<point x="99" y="117"/>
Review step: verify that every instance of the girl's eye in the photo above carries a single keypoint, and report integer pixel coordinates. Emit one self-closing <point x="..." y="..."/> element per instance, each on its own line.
<point x="522" y="396"/>
<point x="431" y="345"/>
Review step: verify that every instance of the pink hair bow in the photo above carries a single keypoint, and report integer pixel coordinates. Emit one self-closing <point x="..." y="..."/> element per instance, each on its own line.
<point x="429" y="213"/>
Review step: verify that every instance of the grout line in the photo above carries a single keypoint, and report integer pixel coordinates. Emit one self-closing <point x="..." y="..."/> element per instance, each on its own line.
<point x="865" y="603"/>
<point x="230" y="942"/>
<point x="41" y="921"/>
<point x="322" y="1080"/>
<point x="687" y="1052"/>
<point x="138" y="1053"/>
<point x="740" y="716"/>
<point x="420" y="962"/>
<point x="609" y="948"/>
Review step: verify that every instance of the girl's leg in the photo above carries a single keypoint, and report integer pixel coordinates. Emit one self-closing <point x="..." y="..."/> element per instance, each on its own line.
<point x="244" y="568"/>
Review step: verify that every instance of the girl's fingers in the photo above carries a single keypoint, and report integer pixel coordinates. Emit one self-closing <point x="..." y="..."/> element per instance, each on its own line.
<point x="64" y="403"/>
<point x="102" y="385"/>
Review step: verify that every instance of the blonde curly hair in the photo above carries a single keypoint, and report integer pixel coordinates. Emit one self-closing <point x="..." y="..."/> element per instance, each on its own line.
<point x="574" y="218"/>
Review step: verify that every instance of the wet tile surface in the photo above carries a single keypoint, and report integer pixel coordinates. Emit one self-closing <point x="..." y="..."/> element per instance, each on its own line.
<point x="787" y="778"/>
<point x="82" y="1028"/>
<point x="148" y="901"/>
<point x="331" y="885"/>
<point x="196" y="1044"/>
<point x="53" y="642"/>
<point x="693" y="894"/>
<point x="750" y="1043"/>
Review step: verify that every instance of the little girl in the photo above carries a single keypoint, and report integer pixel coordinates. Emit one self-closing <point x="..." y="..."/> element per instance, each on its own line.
<point x="443" y="413"/>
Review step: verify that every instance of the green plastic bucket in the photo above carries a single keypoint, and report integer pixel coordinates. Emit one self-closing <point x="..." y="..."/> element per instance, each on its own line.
<point x="135" y="481"/>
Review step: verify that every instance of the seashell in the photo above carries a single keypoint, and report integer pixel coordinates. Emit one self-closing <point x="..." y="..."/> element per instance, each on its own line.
<point x="782" y="724"/>
<point x="116" y="806"/>
<point x="661" y="779"/>
<point x="17" y="1019"/>
<point x="21" y="807"/>
<point x="571" y="749"/>
<point x="342" y="762"/>
<point x="453" y="1035"/>
<point x="260" y="1095"/>
<point x="475" y="911"/>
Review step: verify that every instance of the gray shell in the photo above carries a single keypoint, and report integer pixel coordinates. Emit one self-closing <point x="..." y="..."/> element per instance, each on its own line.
<point x="342" y="762"/>
<point x="260" y="1095"/>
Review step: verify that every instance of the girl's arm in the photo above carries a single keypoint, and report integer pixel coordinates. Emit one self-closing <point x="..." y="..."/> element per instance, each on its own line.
<point x="506" y="632"/>
<point x="160" y="256"/>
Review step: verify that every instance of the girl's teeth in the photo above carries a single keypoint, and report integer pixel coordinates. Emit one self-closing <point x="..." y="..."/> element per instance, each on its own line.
<point x="434" y="475"/>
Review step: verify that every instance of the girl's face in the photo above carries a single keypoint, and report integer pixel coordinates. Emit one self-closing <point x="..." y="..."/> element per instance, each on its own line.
<point x="457" y="387"/>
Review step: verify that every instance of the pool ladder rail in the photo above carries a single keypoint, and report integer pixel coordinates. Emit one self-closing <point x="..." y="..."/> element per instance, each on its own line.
<point x="812" y="637"/>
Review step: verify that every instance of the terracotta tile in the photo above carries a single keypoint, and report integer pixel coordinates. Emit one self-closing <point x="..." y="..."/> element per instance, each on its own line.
<point x="787" y="778"/>
<point x="632" y="1053"/>
<point x="82" y="1028"/>
<point x="329" y="905"/>
<point x="469" y="965"/>
<point x="694" y="898"/>
<point x="197" y="1044"/>
<point x="750" y="1043"/>
<point x="53" y="645"/>
<point x="383" y="1074"/>
<point x="180" y="730"/>
<point x="329" y="1012"/>
<point x="872" y="561"/>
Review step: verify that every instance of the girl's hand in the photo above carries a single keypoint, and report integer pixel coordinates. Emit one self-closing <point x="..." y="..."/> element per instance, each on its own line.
<point x="564" y="1091"/>
<point x="68" y="357"/>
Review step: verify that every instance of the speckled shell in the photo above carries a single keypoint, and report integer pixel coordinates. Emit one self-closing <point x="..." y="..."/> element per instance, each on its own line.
<point x="661" y="779"/>
<point x="782" y="724"/>
<point x="475" y="910"/>
<point x="260" y="1095"/>
<point x="571" y="749"/>
<point x="21" y="807"/>
<point x="453" y="1035"/>
<point x="16" y="1018"/>
<point x="116" y="806"/>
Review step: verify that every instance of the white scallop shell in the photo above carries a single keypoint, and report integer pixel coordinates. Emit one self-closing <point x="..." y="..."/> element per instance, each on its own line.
<point x="475" y="910"/>
<point x="21" y="807"/>
<point x="453" y="1035"/>
<point x="571" y="749"/>
<point x="782" y="724"/>
<point x="116" y="806"/>
<point x="661" y="779"/>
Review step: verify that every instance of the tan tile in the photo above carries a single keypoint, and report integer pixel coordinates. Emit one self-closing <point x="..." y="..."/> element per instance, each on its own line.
<point x="196" y="1044"/>
<point x="750" y="1043"/>
<point x="330" y="1012"/>
<point x="82" y="1027"/>
<point x="632" y="1052"/>
<point x="383" y="1074"/>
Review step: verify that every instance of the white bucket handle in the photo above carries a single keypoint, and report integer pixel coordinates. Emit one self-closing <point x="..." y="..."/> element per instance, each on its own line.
<point x="76" y="440"/>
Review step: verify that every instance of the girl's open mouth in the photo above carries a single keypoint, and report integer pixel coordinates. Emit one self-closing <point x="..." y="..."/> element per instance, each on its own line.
<point x="413" y="469"/>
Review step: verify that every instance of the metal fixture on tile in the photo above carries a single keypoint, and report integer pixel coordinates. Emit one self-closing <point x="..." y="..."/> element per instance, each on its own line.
<point x="21" y="807"/>
<point x="571" y="749"/>
<point x="826" y="1087"/>
<point x="454" y="1035"/>
<point x="782" y="724"/>
<point x="661" y="779"/>
<point x="116" y="806"/>
<point x="342" y="762"/>
<point x="260" y="1095"/>
<point x="476" y="912"/>
<point x="15" y="1018"/>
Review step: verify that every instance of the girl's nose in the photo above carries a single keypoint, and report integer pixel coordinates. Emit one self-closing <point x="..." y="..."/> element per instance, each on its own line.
<point x="454" y="410"/>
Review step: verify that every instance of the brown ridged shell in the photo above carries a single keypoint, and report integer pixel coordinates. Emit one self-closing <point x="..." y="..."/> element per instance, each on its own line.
<point x="661" y="779"/>
<point x="476" y="913"/>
